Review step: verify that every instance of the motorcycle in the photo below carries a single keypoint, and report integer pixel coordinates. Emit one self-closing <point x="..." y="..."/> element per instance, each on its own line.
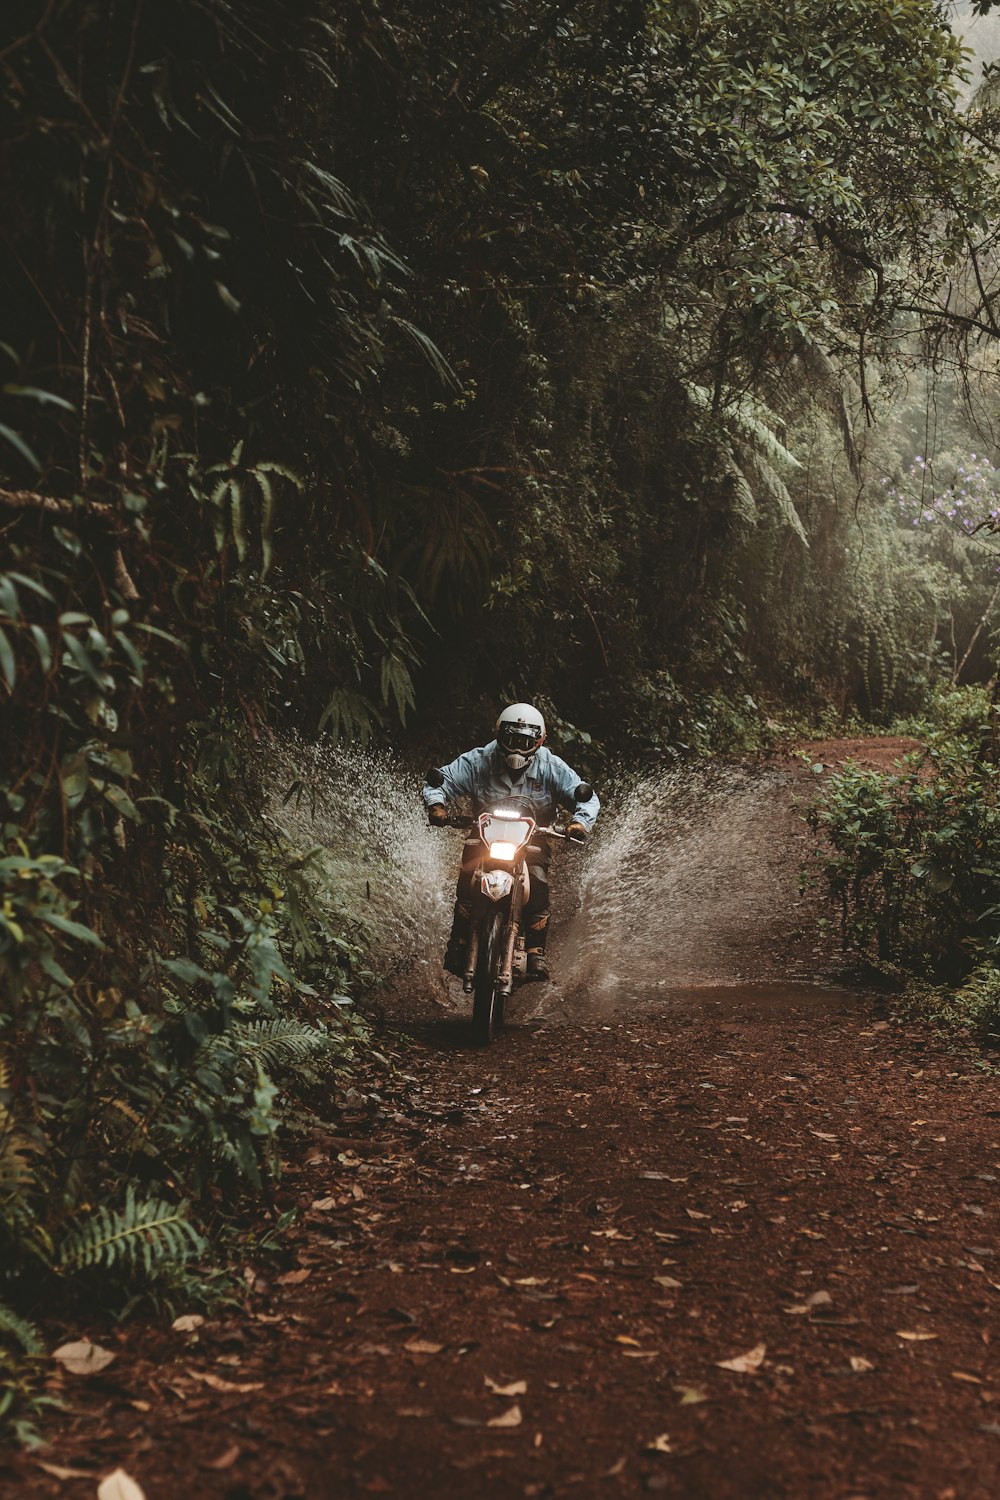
<point x="497" y="958"/>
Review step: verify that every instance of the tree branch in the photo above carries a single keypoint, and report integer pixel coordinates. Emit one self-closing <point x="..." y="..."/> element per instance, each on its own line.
<point x="92" y="510"/>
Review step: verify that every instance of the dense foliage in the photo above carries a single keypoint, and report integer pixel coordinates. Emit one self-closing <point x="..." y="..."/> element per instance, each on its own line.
<point x="911" y="861"/>
<point x="365" y="362"/>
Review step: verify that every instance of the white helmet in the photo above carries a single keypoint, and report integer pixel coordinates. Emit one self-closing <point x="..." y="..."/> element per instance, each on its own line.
<point x="520" y="732"/>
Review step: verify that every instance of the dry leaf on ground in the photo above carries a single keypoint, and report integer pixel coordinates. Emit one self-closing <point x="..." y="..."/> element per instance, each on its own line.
<point x="119" y="1486"/>
<point x="218" y="1384"/>
<point x="745" y="1364"/>
<point x="422" y="1346"/>
<point x="187" y="1323"/>
<point x="915" y="1338"/>
<point x="511" y="1418"/>
<point x="660" y="1444"/>
<point x="83" y="1358"/>
<point x="516" y="1387"/>
<point x="227" y="1459"/>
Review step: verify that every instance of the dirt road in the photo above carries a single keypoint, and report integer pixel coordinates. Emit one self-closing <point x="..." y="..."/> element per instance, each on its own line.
<point x="721" y="1243"/>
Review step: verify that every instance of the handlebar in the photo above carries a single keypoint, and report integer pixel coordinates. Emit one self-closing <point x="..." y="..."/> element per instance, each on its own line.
<point x="461" y="820"/>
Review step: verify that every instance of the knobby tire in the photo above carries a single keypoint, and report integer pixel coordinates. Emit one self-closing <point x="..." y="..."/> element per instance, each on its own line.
<point x="487" y="1005"/>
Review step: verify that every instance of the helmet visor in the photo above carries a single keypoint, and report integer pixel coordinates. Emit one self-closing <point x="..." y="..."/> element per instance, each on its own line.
<point x="519" y="739"/>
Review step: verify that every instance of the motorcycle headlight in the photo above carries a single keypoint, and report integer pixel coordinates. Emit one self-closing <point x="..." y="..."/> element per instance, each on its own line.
<point x="502" y="850"/>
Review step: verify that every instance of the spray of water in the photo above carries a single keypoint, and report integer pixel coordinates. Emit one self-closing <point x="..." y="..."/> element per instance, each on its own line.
<point x="392" y="873"/>
<point x="693" y="881"/>
<point x="690" y="881"/>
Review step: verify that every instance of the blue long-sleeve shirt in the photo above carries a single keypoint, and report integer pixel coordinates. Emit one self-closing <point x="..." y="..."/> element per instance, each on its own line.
<point x="547" y="783"/>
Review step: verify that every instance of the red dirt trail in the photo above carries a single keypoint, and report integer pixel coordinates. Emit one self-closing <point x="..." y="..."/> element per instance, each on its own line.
<point x="529" y="1272"/>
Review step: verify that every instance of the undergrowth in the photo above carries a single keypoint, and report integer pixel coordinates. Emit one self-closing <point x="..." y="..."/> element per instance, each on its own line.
<point x="911" y="860"/>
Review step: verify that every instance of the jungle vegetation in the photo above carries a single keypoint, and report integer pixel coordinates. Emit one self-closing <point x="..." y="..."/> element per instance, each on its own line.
<point x="365" y="362"/>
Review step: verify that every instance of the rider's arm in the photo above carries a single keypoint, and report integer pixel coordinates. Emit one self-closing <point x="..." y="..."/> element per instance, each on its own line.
<point x="459" y="780"/>
<point x="565" y="782"/>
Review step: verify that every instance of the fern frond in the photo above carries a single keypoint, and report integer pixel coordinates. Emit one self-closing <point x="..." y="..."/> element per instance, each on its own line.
<point x="832" y="383"/>
<point x="744" y="503"/>
<point x="755" y="424"/>
<point x="25" y="1333"/>
<point x="777" y="491"/>
<point x="144" y="1234"/>
<point x="276" y="1041"/>
<point x="16" y="1171"/>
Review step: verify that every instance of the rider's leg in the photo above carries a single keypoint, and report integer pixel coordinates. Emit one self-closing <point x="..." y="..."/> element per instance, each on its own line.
<point x="536" y="921"/>
<point x="458" y="940"/>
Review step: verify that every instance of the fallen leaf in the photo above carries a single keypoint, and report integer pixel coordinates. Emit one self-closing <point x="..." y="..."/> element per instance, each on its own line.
<point x="823" y="1135"/>
<point x="964" y="1375"/>
<point x="295" y="1278"/>
<point x="83" y="1358"/>
<point x="227" y="1459"/>
<point x="690" y="1395"/>
<point x="423" y="1346"/>
<point x="58" y="1471"/>
<point x="218" y="1384"/>
<point x="623" y="1338"/>
<point x="670" y="1282"/>
<point x="119" y="1486"/>
<point x="693" y="1213"/>
<point x="187" y="1323"/>
<point x="916" y="1338"/>
<point x="516" y="1387"/>
<point x="660" y="1444"/>
<point x="819" y="1299"/>
<point x="511" y="1418"/>
<point x="859" y="1364"/>
<point x="323" y="1205"/>
<point x="745" y="1364"/>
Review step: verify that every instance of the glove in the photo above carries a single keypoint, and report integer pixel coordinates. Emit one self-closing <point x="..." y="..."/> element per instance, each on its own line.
<point x="437" y="815"/>
<point x="576" y="831"/>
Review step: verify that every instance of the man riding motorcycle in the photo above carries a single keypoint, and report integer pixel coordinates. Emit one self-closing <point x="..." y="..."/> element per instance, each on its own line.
<point x="517" y="765"/>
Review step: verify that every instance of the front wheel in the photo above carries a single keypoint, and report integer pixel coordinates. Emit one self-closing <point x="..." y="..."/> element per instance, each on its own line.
<point x="487" y="1004"/>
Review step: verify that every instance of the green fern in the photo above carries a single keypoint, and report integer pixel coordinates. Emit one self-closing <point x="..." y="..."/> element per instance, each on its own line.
<point x="277" y="1041"/>
<point x="16" y="1171"/>
<point x="25" y="1333"/>
<point x="145" y="1234"/>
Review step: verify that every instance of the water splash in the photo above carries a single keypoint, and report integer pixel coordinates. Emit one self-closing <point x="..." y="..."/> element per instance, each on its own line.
<point x="691" y="880"/>
<point x="393" y="873"/>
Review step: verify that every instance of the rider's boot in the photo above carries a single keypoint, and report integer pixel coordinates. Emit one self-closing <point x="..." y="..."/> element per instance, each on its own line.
<point x="535" y="939"/>
<point x="458" y="942"/>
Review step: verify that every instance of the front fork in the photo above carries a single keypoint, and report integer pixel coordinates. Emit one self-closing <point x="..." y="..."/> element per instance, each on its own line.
<point x="513" y="958"/>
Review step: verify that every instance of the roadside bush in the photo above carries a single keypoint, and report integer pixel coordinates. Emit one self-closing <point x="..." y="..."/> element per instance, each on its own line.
<point x="913" y="861"/>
